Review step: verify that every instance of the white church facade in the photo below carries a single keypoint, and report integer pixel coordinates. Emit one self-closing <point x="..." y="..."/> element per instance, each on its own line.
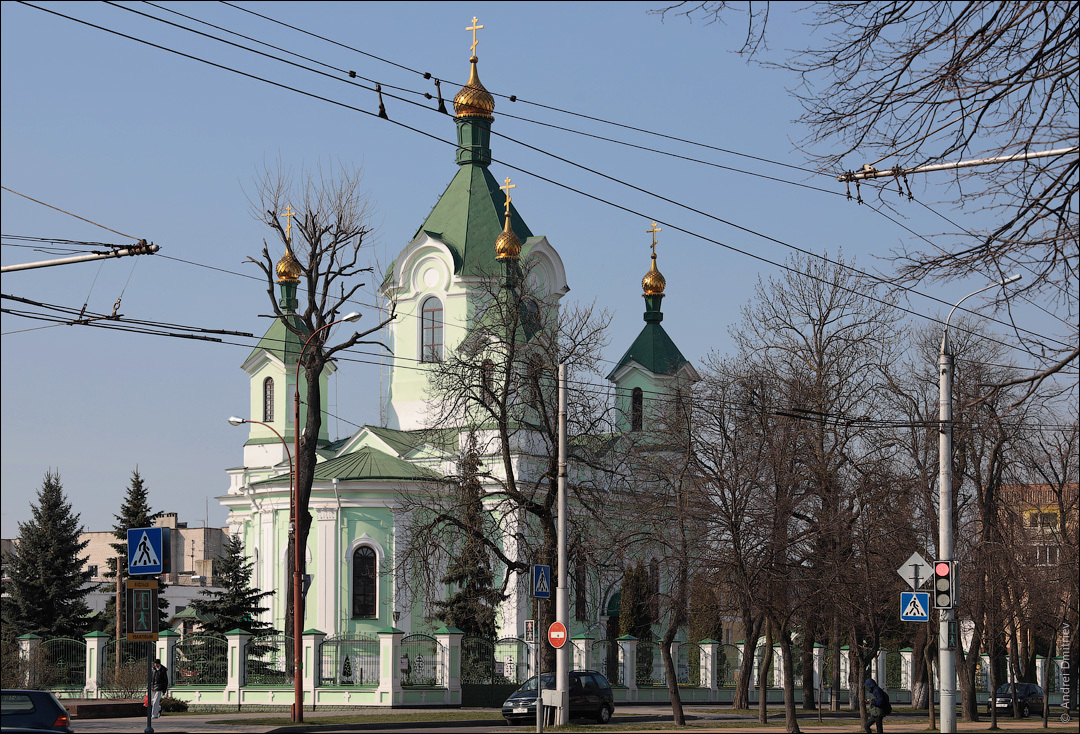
<point x="360" y="501"/>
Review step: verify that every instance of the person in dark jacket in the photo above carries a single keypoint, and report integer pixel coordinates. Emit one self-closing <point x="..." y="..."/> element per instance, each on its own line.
<point x="875" y="703"/>
<point x="159" y="685"/>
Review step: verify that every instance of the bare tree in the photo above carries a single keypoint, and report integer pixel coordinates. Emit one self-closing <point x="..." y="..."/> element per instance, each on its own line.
<point x="907" y="84"/>
<point x="323" y="238"/>
<point x="499" y="384"/>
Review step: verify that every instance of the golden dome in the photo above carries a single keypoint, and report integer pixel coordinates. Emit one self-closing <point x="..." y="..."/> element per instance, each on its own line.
<point x="507" y="244"/>
<point x="288" y="268"/>
<point x="473" y="99"/>
<point x="653" y="283"/>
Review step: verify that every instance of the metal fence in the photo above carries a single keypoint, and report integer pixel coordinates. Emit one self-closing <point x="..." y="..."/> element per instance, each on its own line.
<point x="894" y="670"/>
<point x="123" y="668"/>
<point x="605" y="654"/>
<point x="349" y="660"/>
<point x="727" y="667"/>
<point x="419" y="662"/>
<point x="201" y="660"/>
<point x="513" y="660"/>
<point x="478" y="660"/>
<point x="269" y="661"/>
<point x="689" y="664"/>
<point x="61" y="663"/>
<point x="650" y="664"/>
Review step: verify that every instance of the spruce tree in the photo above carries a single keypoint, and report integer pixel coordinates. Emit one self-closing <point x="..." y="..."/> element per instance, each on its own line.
<point x="635" y="610"/>
<point x="471" y="607"/>
<point x="47" y="580"/>
<point x="135" y="512"/>
<point x="239" y="604"/>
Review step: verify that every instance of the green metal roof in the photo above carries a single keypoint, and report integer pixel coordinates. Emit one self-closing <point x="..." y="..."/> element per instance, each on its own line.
<point x="369" y="463"/>
<point x="654" y="350"/>
<point x="469" y="216"/>
<point x="405" y="442"/>
<point x="281" y="342"/>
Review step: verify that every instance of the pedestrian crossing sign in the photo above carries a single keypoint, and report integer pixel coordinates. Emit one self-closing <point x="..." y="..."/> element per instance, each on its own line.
<point x="542" y="582"/>
<point x="146" y="551"/>
<point x="914" y="606"/>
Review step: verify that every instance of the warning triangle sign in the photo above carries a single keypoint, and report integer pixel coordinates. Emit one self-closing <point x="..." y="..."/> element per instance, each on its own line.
<point x="914" y="608"/>
<point x="144" y="554"/>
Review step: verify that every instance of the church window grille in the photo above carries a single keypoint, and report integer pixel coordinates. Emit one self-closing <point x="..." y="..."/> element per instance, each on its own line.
<point x="268" y="400"/>
<point x="487" y="382"/>
<point x="637" y="400"/>
<point x="431" y="330"/>
<point x="363" y="578"/>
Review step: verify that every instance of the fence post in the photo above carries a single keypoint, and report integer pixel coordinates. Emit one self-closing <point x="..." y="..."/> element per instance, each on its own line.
<point x="1040" y="672"/>
<point x="29" y="644"/>
<point x="449" y="639"/>
<point x="628" y="661"/>
<point x="165" y="649"/>
<point x="710" y="658"/>
<point x="906" y="654"/>
<point x="881" y="669"/>
<point x="582" y="651"/>
<point x="95" y="646"/>
<point x="312" y="661"/>
<point x="819" y="661"/>
<point x="237" y="679"/>
<point x="389" y="691"/>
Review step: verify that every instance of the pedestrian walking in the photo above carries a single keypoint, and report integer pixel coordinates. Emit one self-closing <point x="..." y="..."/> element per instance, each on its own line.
<point x="878" y="706"/>
<point x="159" y="686"/>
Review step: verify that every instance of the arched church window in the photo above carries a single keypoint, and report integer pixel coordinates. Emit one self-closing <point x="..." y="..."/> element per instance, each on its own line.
<point x="637" y="406"/>
<point x="268" y="400"/>
<point x="431" y="330"/>
<point x="487" y="382"/>
<point x="363" y="582"/>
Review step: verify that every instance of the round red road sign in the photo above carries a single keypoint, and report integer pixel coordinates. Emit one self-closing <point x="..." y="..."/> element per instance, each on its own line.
<point x="557" y="634"/>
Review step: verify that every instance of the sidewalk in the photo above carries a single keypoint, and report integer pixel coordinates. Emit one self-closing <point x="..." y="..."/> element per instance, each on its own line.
<point x="651" y="718"/>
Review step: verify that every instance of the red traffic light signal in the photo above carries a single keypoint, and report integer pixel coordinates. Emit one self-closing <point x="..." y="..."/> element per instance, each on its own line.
<point x="944" y="585"/>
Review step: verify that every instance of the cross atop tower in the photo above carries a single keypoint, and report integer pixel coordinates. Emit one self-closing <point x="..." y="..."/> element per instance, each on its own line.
<point x="289" y="214"/>
<point x="507" y="188"/>
<point x="653" y="231"/>
<point x="474" y="28"/>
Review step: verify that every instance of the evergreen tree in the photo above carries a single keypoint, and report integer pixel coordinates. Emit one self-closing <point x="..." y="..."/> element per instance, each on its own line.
<point x="135" y="512"/>
<point x="240" y="604"/>
<point x="47" y="580"/>
<point x="471" y="607"/>
<point x="635" y="610"/>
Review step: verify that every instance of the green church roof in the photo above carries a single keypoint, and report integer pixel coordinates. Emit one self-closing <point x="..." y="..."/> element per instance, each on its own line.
<point x="369" y="463"/>
<point x="653" y="350"/>
<point x="405" y="442"/>
<point x="281" y="342"/>
<point x="469" y="216"/>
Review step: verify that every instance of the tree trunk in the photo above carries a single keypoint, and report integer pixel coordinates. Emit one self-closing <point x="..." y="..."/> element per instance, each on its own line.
<point x="752" y="629"/>
<point x="920" y="686"/>
<point x="834" y="653"/>
<point x="809" y="690"/>
<point x="763" y="676"/>
<point x="672" y="675"/>
<point x="791" y="719"/>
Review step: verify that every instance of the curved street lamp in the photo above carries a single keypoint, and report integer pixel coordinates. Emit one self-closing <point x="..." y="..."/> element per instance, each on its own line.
<point x="946" y="655"/>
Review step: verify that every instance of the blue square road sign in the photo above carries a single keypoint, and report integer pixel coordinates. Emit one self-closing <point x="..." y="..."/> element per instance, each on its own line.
<point x="541" y="578"/>
<point x="146" y="551"/>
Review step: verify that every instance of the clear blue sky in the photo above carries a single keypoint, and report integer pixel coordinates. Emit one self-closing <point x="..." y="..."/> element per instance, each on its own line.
<point x="159" y="146"/>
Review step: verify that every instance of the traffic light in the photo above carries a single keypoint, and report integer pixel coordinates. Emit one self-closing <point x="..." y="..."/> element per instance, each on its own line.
<point x="944" y="585"/>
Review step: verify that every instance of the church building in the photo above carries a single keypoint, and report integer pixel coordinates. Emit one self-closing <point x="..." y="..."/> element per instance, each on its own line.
<point x="473" y="250"/>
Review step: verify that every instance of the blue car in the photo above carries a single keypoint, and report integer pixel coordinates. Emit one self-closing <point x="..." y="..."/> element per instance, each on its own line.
<point x="33" y="710"/>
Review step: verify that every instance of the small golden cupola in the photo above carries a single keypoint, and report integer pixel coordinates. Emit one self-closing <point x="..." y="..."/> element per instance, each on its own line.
<point x="507" y="244"/>
<point x="288" y="267"/>
<point x="653" y="283"/>
<point x="473" y="100"/>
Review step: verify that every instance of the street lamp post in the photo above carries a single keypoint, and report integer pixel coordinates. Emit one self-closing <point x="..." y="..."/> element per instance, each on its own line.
<point x="946" y="654"/>
<point x="294" y="528"/>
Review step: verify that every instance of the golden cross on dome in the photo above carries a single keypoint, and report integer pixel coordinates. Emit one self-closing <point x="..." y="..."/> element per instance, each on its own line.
<point x="474" y="28"/>
<point x="289" y="214"/>
<point x="653" y="231"/>
<point x="507" y="188"/>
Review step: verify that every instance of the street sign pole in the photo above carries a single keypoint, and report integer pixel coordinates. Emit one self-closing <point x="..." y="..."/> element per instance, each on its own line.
<point x="562" y="596"/>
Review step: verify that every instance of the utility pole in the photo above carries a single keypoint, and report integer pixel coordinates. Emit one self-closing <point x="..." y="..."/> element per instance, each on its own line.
<point x="946" y="650"/>
<point x="562" y="598"/>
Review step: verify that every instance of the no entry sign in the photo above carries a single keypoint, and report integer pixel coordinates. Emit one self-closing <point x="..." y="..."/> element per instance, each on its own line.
<point x="557" y="634"/>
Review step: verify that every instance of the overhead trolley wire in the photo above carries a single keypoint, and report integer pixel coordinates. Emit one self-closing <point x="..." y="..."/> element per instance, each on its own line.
<point x="528" y="172"/>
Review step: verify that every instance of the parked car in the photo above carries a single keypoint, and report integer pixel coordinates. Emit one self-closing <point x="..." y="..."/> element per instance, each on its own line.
<point x="590" y="697"/>
<point x="1029" y="695"/>
<point x="32" y="710"/>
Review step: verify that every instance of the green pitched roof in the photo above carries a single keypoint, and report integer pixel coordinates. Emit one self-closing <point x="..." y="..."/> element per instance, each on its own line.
<point x="369" y="463"/>
<point x="281" y="342"/>
<point x="469" y="216"/>
<point x="405" y="442"/>
<point x="654" y="350"/>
